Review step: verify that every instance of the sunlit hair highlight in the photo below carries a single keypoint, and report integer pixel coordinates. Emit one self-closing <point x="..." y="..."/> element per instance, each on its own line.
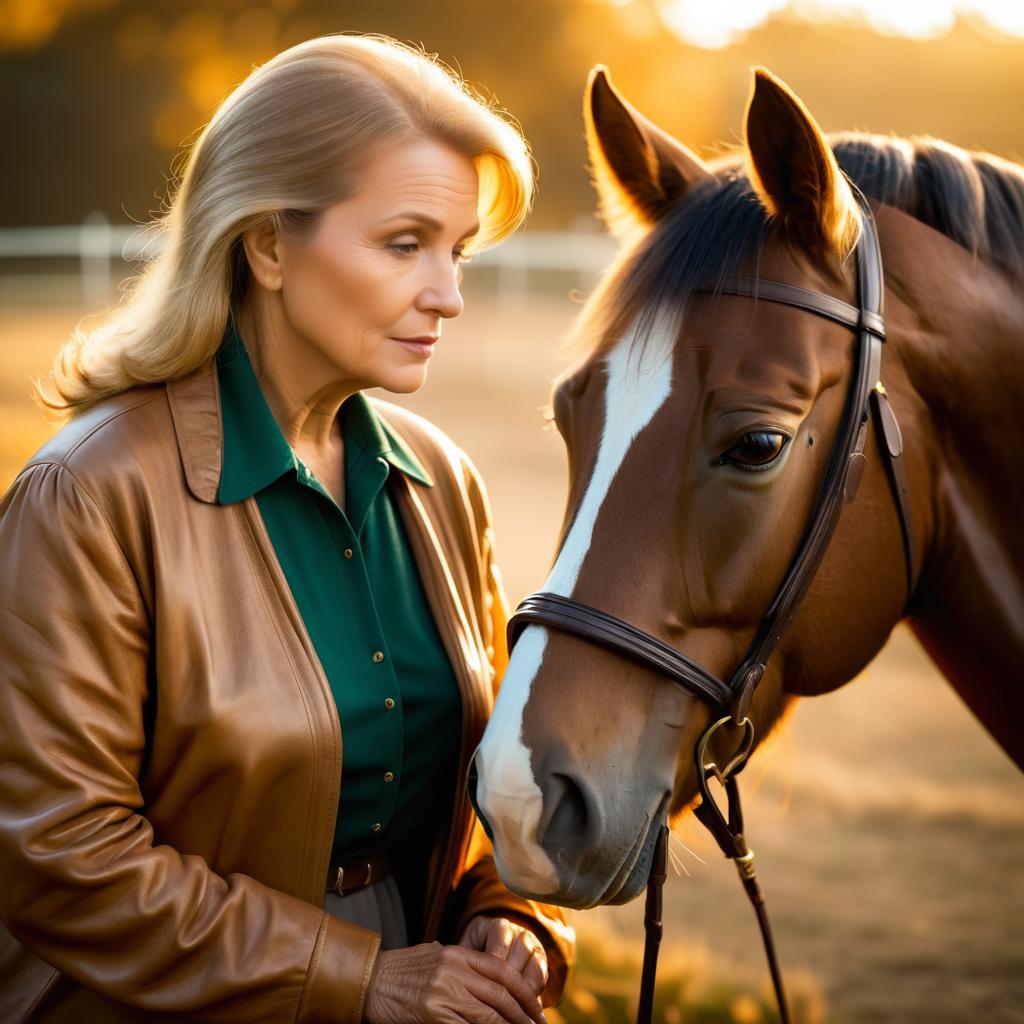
<point x="288" y="142"/>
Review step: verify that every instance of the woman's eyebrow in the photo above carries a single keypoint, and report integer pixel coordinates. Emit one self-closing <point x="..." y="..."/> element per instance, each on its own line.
<point x="426" y="219"/>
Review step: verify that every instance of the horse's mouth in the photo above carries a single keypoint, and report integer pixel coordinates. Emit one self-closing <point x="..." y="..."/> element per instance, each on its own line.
<point x="634" y="880"/>
<point x="630" y="878"/>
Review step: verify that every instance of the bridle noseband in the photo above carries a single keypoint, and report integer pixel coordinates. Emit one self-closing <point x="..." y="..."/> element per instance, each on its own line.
<point x="730" y="700"/>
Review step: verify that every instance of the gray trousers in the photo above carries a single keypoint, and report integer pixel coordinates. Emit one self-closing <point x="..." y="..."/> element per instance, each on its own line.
<point x="377" y="907"/>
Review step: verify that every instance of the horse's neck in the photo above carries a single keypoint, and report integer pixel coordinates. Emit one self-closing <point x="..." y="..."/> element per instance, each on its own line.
<point x="965" y="360"/>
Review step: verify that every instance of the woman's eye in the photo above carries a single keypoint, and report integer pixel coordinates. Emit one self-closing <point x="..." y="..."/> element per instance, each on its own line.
<point x="404" y="248"/>
<point x="757" y="450"/>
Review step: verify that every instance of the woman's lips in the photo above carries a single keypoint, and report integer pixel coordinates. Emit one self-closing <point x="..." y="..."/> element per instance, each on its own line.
<point x="422" y="347"/>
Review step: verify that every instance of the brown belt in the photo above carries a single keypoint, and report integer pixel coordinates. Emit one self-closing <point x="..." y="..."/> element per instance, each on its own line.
<point x="348" y="876"/>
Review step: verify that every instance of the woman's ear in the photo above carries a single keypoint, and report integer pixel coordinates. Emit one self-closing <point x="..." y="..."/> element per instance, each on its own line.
<point x="795" y="172"/>
<point x="261" y="250"/>
<point x="638" y="170"/>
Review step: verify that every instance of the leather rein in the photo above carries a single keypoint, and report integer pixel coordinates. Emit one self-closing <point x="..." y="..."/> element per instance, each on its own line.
<point x="730" y="700"/>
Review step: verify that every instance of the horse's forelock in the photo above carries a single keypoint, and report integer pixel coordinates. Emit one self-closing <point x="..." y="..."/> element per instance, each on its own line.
<point x="719" y="231"/>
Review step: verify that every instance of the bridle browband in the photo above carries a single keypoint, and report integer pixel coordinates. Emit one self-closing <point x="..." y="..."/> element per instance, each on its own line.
<point x="730" y="700"/>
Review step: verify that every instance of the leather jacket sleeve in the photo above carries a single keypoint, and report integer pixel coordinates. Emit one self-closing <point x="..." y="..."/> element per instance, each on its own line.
<point x="86" y="885"/>
<point x="481" y="890"/>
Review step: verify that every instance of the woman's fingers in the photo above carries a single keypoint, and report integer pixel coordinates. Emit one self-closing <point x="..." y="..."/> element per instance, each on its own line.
<point x="512" y="942"/>
<point x="523" y="946"/>
<point x="430" y="982"/>
<point x="536" y="973"/>
<point x="495" y="970"/>
<point x="492" y="935"/>
<point x="526" y="955"/>
<point x="520" y="948"/>
<point x="500" y="935"/>
<point x="495" y="998"/>
<point x="476" y="933"/>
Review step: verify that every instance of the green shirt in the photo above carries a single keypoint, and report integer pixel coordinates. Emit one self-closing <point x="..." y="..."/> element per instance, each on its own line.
<point x="358" y="590"/>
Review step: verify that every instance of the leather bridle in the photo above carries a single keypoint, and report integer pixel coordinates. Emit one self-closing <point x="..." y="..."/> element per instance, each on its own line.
<point x="730" y="699"/>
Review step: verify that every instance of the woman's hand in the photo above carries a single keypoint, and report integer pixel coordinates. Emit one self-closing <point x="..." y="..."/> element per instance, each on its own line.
<point x="434" y="983"/>
<point x="514" y="943"/>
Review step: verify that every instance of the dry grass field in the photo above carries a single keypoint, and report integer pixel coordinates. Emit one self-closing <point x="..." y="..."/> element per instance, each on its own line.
<point x="888" y="826"/>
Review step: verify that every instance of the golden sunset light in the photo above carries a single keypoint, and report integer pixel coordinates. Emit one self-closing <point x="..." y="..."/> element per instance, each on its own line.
<point x="713" y="26"/>
<point x="649" y="250"/>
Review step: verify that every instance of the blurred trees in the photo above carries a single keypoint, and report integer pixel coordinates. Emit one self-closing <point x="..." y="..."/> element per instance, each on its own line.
<point x="99" y="96"/>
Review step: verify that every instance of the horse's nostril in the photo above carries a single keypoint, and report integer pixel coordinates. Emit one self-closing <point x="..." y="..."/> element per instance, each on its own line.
<point x="472" y="778"/>
<point x="566" y="814"/>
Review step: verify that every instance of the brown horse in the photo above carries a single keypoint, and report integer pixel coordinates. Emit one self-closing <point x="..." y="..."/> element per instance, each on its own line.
<point x="698" y="427"/>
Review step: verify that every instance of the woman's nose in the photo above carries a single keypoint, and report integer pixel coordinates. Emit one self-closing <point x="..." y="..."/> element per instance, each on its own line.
<point x="442" y="295"/>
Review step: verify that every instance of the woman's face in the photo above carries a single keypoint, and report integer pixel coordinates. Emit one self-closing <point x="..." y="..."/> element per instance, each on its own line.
<point x="367" y="293"/>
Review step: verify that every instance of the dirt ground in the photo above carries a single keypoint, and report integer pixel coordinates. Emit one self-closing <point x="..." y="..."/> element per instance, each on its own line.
<point x="889" y="828"/>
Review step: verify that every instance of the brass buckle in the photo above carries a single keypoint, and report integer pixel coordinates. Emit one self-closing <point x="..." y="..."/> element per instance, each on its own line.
<point x="341" y="877"/>
<point x="725" y="825"/>
<point x="736" y="762"/>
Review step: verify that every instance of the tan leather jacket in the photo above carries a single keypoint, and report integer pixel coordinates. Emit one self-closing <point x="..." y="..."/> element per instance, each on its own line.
<point x="170" y="751"/>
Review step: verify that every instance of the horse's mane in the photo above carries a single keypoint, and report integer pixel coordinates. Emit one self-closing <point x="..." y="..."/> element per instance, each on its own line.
<point x="972" y="197"/>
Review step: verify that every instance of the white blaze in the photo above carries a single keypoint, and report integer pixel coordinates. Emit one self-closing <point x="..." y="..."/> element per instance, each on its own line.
<point x="638" y="383"/>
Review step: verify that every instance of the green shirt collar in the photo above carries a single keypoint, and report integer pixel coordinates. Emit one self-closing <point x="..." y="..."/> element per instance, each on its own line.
<point x="255" y="451"/>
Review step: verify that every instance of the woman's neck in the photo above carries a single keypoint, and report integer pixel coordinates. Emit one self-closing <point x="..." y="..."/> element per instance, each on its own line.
<point x="300" y="384"/>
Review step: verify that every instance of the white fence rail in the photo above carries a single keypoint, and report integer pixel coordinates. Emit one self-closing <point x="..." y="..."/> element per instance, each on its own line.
<point x="101" y="249"/>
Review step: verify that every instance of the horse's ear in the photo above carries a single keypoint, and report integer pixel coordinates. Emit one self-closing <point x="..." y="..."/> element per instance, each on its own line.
<point x="795" y="172"/>
<point x="638" y="169"/>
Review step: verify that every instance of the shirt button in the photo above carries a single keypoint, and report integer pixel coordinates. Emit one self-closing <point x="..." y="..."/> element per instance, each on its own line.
<point x="389" y="702"/>
<point x="378" y="656"/>
<point x="389" y="776"/>
<point x="376" y="826"/>
<point x="348" y="552"/>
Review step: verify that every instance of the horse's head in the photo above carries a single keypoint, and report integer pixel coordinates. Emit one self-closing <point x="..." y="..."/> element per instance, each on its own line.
<point x="698" y="430"/>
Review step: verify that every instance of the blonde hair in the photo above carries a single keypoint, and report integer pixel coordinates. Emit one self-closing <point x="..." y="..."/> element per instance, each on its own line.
<point x="285" y="144"/>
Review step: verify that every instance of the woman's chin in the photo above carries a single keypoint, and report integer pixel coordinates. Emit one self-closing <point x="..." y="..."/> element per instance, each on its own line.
<point x="402" y="380"/>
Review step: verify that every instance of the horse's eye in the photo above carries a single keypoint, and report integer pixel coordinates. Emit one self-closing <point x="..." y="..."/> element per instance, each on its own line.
<point x="756" y="450"/>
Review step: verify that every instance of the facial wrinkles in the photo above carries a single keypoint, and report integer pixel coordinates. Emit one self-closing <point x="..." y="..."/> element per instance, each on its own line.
<point x="448" y="199"/>
<point x="360" y="247"/>
<point x="638" y="382"/>
<point x="442" y="196"/>
<point x="350" y="289"/>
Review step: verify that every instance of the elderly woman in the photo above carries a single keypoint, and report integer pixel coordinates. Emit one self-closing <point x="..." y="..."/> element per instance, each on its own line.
<point x="250" y="622"/>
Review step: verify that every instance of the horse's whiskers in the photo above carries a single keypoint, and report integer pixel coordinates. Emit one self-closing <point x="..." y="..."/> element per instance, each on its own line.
<point x="674" y="838"/>
<point x="677" y="864"/>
